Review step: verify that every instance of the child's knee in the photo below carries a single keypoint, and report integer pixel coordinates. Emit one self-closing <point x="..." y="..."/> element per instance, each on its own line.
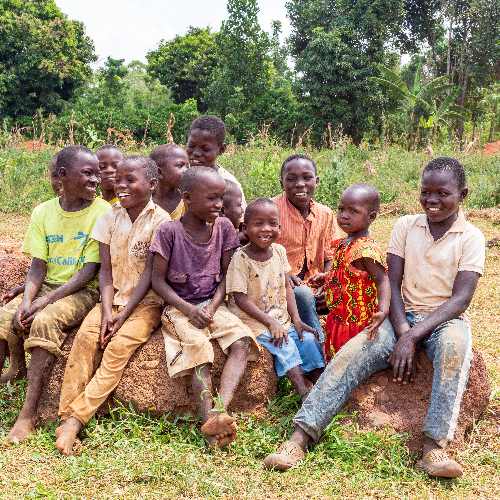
<point x="241" y="345"/>
<point x="457" y="340"/>
<point x="303" y="294"/>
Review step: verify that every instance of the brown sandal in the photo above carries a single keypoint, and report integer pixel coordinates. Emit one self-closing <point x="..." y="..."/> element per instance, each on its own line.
<point x="288" y="455"/>
<point x="437" y="463"/>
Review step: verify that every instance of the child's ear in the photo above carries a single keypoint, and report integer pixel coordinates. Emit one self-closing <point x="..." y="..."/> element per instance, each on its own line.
<point x="464" y="193"/>
<point x="372" y="215"/>
<point x="222" y="148"/>
<point x="281" y="183"/>
<point x="153" y="183"/>
<point x="317" y="180"/>
<point x="62" y="172"/>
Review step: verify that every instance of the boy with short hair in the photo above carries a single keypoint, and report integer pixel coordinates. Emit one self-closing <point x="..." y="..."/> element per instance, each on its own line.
<point x="205" y="143"/>
<point x="307" y="229"/>
<point x="172" y="162"/>
<point x="191" y="256"/>
<point x="109" y="156"/>
<point x="59" y="289"/>
<point x="129" y="309"/>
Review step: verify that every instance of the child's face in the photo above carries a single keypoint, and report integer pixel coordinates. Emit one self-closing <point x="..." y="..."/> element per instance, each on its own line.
<point x="203" y="148"/>
<point x="172" y="167"/>
<point x="299" y="182"/>
<point x="354" y="214"/>
<point x="440" y="195"/>
<point x="263" y="226"/>
<point x="232" y="208"/>
<point x="132" y="187"/>
<point x="81" y="179"/>
<point x="108" y="161"/>
<point x="205" y="200"/>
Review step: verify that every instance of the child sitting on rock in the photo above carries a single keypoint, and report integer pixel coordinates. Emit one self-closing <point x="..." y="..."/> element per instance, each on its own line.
<point x="109" y="156"/>
<point x="357" y="289"/>
<point x="261" y="296"/>
<point x="435" y="261"/>
<point x="129" y="310"/>
<point x="191" y="256"/>
<point x="60" y="288"/>
<point x="172" y="162"/>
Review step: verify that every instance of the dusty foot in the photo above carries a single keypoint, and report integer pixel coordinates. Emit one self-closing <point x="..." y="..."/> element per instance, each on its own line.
<point x="219" y="429"/>
<point x="21" y="430"/>
<point x="66" y="435"/>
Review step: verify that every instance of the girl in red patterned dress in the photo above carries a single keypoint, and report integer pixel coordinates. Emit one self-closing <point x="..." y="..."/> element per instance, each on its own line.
<point x="356" y="288"/>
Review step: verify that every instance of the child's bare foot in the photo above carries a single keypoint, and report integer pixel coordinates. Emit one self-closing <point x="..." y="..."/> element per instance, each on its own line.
<point x="220" y="426"/>
<point x="66" y="435"/>
<point x="21" y="430"/>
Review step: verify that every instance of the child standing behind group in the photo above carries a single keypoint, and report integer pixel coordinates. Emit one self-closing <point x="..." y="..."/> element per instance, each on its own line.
<point x="262" y="297"/>
<point x="357" y="290"/>
<point x="191" y="256"/>
<point x="172" y="162"/>
<point x="129" y="309"/>
<point x="109" y="156"/>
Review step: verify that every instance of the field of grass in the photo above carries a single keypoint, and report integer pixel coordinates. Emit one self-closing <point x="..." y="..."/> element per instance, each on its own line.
<point x="127" y="455"/>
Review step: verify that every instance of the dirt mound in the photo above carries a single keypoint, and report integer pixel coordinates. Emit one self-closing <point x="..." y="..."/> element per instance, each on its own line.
<point x="146" y="385"/>
<point x="380" y="402"/>
<point x="13" y="270"/>
<point x="492" y="148"/>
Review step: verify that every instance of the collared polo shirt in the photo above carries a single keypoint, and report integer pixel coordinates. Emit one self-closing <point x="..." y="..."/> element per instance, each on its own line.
<point x="431" y="266"/>
<point x="129" y="247"/>
<point x="307" y="239"/>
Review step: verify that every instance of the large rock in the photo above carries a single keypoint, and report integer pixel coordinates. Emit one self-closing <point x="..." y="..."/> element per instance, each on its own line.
<point x="382" y="403"/>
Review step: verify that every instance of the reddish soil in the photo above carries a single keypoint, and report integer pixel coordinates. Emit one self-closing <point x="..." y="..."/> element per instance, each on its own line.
<point x="379" y="402"/>
<point x="492" y="148"/>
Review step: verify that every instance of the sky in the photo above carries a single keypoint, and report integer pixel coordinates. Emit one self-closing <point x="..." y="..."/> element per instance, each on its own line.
<point x="128" y="29"/>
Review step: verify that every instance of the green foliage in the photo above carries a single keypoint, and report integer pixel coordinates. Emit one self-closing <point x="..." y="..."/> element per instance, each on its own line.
<point x="185" y="64"/>
<point x="44" y="57"/>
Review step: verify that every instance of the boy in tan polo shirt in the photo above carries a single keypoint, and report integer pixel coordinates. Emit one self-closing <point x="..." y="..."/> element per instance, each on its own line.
<point x="129" y="309"/>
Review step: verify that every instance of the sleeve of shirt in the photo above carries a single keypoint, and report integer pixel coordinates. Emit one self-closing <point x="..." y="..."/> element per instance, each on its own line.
<point x="35" y="241"/>
<point x="163" y="240"/>
<point x="332" y="234"/>
<point x="103" y="228"/>
<point x="397" y="242"/>
<point x="284" y="260"/>
<point x="369" y="250"/>
<point x="237" y="274"/>
<point x="473" y="252"/>
<point x="230" y="240"/>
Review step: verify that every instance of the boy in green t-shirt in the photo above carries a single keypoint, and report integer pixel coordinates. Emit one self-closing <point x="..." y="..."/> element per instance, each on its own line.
<point x="60" y="286"/>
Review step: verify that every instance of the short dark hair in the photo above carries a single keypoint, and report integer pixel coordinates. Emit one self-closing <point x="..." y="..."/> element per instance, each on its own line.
<point x="105" y="147"/>
<point x="297" y="157"/>
<point x="67" y="155"/>
<point x="191" y="177"/>
<point x="53" y="166"/>
<point x="212" y="124"/>
<point x="370" y="194"/>
<point x="162" y="151"/>
<point x="149" y="166"/>
<point x="259" y="202"/>
<point x="446" y="163"/>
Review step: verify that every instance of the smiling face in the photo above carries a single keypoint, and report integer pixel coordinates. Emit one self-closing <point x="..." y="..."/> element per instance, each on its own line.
<point x="80" y="180"/>
<point x="262" y="225"/>
<point x="299" y="181"/>
<point x="440" y="195"/>
<point x="203" y="148"/>
<point x="132" y="187"/>
<point x="171" y="167"/>
<point x="108" y="161"/>
<point x="205" y="199"/>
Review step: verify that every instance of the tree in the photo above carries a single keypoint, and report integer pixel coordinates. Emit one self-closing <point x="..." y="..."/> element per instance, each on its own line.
<point x="337" y="45"/>
<point x="44" y="57"/>
<point x="185" y="64"/>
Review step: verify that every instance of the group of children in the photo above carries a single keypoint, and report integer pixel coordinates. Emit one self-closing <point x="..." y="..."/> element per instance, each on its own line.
<point x="174" y="245"/>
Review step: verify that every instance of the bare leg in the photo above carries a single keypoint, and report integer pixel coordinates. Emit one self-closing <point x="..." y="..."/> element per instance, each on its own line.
<point x="201" y="384"/>
<point x="41" y="362"/>
<point x="301" y="438"/>
<point x="301" y="384"/>
<point x="66" y="435"/>
<point x="314" y="375"/>
<point x="17" y="363"/>
<point x="3" y="353"/>
<point x="234" y="369"/>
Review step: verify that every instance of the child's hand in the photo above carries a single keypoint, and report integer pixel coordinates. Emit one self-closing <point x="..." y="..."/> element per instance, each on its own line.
<point x="36" y="306"/>
<point x="318" y="280"/>
<point x="106" y="328"/>
<point x="278" y="332"/>
<point x="372" y="329"/>
<point x="199" y="317"/>
<point x="295" y="281"/>
<point x="21" y="313"/>
<point x="118" y="321"/>
<point x="209" y="309"/>
<point x="10" y="294"/>
<point x="300" y="327"/>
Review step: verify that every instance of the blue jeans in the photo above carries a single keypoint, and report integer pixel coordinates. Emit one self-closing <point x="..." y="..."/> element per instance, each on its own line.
<point x="306" y="305"/>
<point x="449" y="347"/>
<point x="295" y="352"/>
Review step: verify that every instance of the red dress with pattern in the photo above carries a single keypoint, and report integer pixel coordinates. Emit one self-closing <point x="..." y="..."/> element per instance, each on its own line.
<point x="351" y="294"/>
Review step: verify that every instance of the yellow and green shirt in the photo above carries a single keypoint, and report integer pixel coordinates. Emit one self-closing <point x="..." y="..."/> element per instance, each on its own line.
<point x="62" y="239"/>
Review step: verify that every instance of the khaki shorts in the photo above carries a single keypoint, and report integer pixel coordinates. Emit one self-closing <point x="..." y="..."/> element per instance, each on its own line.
<point x="187" y="346"/>
<point x="50" y="325"/>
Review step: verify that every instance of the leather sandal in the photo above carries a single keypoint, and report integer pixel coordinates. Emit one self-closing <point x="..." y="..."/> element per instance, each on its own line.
<point x="288" y="455"/>
<point x="437" y="463"/>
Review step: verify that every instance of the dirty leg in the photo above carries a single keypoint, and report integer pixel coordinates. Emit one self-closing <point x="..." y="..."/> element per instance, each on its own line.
<point x="17" y="362"/>
<point x="66" y="435"/>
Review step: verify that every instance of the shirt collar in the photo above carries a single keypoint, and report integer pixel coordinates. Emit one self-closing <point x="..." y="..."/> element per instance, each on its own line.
<point x="313" y="210"/>
<point x="150" y="206"/>
<point x="457" y="227"/>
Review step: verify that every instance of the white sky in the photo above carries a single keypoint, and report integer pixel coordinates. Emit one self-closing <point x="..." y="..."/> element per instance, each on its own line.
<point x="128" y="29"/>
